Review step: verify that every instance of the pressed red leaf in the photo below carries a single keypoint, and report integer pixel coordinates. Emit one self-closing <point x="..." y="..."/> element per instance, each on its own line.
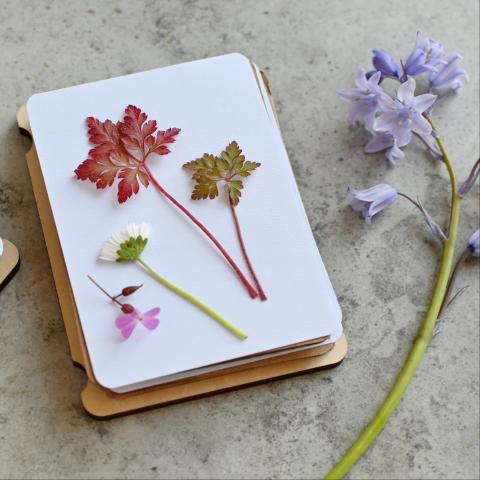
<point x="128" y="184"/>
<point x="137" y="134"/>
<point x="120" y="150"/>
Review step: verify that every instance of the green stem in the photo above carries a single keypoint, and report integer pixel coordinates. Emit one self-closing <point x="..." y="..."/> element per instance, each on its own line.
<point x="192" y="300"/>
<point x="423" y="339"/>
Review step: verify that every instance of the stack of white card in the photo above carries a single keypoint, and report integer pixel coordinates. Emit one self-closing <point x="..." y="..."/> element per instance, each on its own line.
<point x="213" y="101"/>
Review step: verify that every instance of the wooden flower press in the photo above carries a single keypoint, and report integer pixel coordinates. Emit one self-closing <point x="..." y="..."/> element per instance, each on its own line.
<point x="9" y="261"/>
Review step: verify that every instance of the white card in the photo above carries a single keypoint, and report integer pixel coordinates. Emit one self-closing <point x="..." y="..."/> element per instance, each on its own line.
<point x="213" y="101"/>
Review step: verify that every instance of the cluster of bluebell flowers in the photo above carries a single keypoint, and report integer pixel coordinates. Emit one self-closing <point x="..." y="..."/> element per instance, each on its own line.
<point x="393" y="121"/>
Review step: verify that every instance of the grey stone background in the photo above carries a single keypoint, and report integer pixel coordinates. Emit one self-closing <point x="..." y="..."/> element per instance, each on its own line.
<point x="383" y="274"/>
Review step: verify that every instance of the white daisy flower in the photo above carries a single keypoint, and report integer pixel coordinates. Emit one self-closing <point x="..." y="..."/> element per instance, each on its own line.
<point x="126" y="245"/>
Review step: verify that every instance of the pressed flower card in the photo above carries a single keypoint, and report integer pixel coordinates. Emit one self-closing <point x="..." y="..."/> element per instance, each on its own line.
<point x="177" y="180"/>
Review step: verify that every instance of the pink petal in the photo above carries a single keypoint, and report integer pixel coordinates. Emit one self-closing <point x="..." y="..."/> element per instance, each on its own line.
<point x="127" y="331"/>
<point x="126" y="318"/>
<point x="150" y="322"/>
<point x="152" y="313"/>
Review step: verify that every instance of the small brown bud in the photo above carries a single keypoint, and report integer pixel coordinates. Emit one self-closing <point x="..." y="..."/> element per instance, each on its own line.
<point x="127" y="308"/>
<point x="129" y="290"/>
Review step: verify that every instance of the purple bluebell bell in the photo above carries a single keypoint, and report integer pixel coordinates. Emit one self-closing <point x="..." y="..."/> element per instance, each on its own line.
<point x="385" y="64"/>
<point x="403" y="116"/>
<point x="449" y="75"/>
<point x="371" y="201"/>
<point x="434" y="54"/>
<point x="363" y="98"/>
<point x="427" y="56"/>
<point x="470" y="181"/>
<point x="385" y="141"/>
<point x="474" y="244"/>
<point x="416" y="63"/>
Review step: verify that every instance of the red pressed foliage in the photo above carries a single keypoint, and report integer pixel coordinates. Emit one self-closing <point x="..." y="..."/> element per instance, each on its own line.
<point x="121" y="151"/>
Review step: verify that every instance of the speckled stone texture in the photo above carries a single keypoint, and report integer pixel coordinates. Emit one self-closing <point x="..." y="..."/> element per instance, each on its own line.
<point x="383" y="274"/>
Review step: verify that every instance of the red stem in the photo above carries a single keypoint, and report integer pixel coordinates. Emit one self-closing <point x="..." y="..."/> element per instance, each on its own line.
<point x="244" y="251"/>
<point x="253" y="293"/>
<point x="113" y="299"/>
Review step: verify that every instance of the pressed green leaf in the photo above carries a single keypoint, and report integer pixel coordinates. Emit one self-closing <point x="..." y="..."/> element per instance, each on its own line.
<point x="228" y="168"/>
<point x="205" y="188"/>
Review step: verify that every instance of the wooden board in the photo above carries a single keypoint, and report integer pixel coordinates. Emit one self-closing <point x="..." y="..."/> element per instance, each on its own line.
<point x="102" y="403"/>
<point x="9" y="262"/>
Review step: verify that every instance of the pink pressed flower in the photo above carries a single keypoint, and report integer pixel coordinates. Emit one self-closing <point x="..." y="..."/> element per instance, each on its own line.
<point x="127" y="322"/>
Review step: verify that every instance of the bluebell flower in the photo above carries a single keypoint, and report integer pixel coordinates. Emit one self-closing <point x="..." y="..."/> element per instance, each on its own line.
<point x="427" y="56"/>
<point x="434" y="54"/>
<point x="449" y="75"/>
<point x="474" y="244"/>
<point x="363" y="98"/>
<point x="416" y="63"/>
<point x="385" y="141"/>
<point x="371" y="201"/>
<point x="385" y="64"/>
<point x="403" y="116"/>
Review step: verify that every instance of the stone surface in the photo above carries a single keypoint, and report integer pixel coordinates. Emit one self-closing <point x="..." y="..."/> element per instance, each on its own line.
<point x="383" y="274"/>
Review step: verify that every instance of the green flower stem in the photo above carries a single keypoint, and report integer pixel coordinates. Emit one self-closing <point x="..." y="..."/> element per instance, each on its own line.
<point x="192" y="300"/>
<point x="421" y="343"/>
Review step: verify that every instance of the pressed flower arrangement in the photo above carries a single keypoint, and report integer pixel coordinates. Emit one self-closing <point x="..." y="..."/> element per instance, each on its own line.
<point x="228" y="169"/>
<point x="128" y="245"/>
<point x="122" y="151"/>
<point x="393" y="122"/>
